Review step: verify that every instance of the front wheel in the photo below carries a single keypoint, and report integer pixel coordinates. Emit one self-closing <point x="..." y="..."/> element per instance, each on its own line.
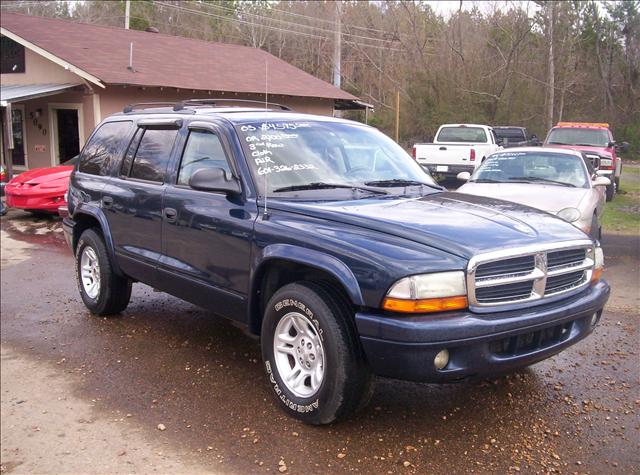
<point x="611" y="190"/>
<point x="312" y="355"/>
<point x="101" y="289"/>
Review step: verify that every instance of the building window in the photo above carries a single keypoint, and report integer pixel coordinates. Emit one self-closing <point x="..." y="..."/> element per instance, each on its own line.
<point x="12" y="58"/>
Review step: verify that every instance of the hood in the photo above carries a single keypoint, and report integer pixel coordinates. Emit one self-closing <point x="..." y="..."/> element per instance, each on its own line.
<point x="464" y="225"/>
<point x="583" y="148"/>
<point x="43" y="175"/>
<point x="549" y="198"/>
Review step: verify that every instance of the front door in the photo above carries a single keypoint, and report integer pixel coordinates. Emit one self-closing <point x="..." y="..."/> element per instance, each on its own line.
<point x="206" y="235"/>
<point x="18" y="154"/>
<point x="65" y="132"/>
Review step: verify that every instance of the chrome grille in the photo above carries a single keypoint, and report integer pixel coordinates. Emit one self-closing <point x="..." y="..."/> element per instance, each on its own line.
<point x="522" y="275"/>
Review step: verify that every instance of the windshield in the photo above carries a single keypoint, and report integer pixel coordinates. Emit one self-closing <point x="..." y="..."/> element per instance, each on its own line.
<point x="308" y="156"/>
<point x="575" y="136"/>
<point x="462" y="134"/>
<point x="533" y="167"/>
<point x="512" y="134"/>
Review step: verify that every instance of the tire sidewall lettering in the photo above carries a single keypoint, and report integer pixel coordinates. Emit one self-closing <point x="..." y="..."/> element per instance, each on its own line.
<point x="307" y="312"/>
<point x="293" y="406"/>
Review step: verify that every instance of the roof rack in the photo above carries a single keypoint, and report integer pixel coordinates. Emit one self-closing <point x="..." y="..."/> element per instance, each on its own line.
<point x="182" y="105"/>
<point x="214" y="102"/>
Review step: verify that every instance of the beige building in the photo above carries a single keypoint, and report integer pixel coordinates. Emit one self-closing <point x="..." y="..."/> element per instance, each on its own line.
<point x="59" y="79"/>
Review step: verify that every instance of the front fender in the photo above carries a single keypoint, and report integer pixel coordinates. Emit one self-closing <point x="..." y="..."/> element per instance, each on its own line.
<point x="312" y="258"/>
<point x="84" y="209"/>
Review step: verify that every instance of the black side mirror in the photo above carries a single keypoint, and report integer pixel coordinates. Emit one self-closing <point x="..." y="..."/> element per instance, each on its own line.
<point x="214" y="179"/>
<point x="611" y="144"/>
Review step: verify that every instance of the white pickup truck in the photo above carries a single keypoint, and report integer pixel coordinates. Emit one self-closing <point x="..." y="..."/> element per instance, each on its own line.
<point x="456" y="148"/>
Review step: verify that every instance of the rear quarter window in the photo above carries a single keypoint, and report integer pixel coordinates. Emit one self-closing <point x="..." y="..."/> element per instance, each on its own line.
<point x="104" y="148"/>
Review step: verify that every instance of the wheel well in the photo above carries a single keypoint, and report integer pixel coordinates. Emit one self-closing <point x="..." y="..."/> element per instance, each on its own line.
<point x="82" y="223"/>
<point x="278" y="273"/>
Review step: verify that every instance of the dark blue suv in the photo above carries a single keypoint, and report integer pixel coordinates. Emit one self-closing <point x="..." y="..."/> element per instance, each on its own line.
<point x="327" y="240"/>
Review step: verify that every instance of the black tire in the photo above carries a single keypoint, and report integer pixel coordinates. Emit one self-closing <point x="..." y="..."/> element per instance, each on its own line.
<point x="617" y="183"/>
<point x="114" y="291"/>
<point x="346" y="384"/>
<point x="594" y="232"/>
<point x="611" y="191"/>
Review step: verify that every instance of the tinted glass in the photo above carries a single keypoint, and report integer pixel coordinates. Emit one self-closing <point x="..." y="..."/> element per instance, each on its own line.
<point x="104" y="148"/>
<point x="514" y="135"/>
<point x="152" y="156"/>
<point x="462" y="134"/>
<point x="284" y="154"/>
<point x="131" y="151"/>
<point x="533" y="167"/>
<point x="203" y="150"/>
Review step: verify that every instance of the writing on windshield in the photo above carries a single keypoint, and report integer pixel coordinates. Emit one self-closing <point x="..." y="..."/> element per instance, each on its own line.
<point x="295" y="154"/>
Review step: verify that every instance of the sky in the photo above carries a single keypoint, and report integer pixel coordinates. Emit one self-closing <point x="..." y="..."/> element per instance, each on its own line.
<point x="447" y="7"/>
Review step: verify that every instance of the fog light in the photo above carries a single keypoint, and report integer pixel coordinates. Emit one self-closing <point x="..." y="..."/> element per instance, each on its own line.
<point x="442" y="359"/>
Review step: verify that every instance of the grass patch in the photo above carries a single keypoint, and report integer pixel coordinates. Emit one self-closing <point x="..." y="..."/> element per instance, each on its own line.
<point x="622" y="215"/>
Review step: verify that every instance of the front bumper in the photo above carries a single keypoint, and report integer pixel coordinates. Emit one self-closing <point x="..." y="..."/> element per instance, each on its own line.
<point x="43" y="201"/>
<point x="404" y="347"/>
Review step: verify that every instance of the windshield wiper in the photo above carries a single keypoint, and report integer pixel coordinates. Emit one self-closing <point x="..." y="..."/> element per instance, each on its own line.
<point x="320" y="185"/>
<point x="400" y="182"/>
<point x="545" y="180"/>
<point x="486" y="180"/>
<point x="558" y="143"/>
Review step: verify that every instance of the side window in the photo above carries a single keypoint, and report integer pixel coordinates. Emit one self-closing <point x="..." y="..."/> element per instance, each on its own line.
<point x="153" y="153"/>
<point x="131" y="151"/>
<point x="203" y="150"/>
<point x="103" y="148"/>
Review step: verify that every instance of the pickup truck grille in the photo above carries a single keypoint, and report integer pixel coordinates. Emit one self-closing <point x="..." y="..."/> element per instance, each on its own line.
<point x="529" y="274"/>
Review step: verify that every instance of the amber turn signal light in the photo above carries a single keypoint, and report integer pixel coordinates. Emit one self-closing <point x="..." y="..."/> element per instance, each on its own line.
<point x="597" y="275"/>
<point x="425" y="305"/>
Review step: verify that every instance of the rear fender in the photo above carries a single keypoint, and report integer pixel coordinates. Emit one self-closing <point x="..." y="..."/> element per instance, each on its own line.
<point x="84" y="209"/>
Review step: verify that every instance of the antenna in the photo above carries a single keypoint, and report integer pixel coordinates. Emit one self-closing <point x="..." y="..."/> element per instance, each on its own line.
<point x="130" y="68"/>
<point x="266" y="108"/>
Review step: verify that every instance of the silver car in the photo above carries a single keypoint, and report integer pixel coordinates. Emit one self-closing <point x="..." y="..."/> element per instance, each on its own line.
<point x="559" y="181"/>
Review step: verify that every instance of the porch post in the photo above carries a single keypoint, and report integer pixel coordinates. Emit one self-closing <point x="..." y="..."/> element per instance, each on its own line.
<point x="7" y="143"/>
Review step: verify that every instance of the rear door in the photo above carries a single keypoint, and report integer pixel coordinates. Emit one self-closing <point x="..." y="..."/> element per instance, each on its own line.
<point x="133" y="199"/>
<point x="206" y="235"/>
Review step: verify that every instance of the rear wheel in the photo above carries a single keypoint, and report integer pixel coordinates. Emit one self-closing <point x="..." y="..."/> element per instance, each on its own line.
<point x="312" y="355"/>
<point x="102" y="290"/>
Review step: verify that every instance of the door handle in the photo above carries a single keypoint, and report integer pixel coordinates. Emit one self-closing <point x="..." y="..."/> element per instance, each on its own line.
<point x="170" y="215"/>
<point x="442" y="148"/>
<point x="107" y="202"/>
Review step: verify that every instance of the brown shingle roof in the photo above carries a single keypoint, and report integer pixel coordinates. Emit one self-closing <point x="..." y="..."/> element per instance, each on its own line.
<point x="164" y="60"/>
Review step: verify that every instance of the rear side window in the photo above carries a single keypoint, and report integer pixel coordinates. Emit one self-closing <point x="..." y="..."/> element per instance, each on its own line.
<point x="104" y="148"/>
<point x="153" y="153"/>
<point x="203" y="150"/>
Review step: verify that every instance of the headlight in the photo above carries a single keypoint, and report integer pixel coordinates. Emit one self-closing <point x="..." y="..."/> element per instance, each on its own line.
<point x="424" y="293"/>
<point x="598" y="266"/>
<point x="606" y="162"/>
<point x="569" y="214"/>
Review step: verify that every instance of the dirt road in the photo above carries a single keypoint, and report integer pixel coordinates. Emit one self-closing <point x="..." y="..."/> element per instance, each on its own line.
<point x="87" y="395"/>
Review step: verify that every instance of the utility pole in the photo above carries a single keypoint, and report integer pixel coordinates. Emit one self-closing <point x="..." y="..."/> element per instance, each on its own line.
<point x="337" y="45"/>
<point x="397" y="116"/>
<point x="127" y="13"/>
<point x="550" y="67"/>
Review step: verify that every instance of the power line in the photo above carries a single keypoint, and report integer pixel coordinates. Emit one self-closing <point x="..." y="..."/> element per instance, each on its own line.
<point x="267" y="18"/>
<point x="269" y="27"/>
